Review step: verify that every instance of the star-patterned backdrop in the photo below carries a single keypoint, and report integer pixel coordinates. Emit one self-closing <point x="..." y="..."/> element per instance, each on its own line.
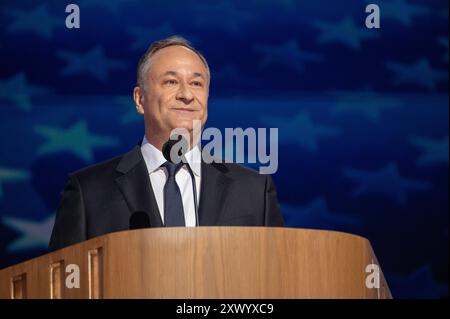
<point x="362" y="113"/>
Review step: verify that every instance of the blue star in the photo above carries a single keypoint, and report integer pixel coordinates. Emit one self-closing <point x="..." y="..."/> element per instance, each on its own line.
<point x="143" y="36"/>
<point x="112" y="6"/>
<point x="365" y="102"/>
<point x="18" y="91"/>
<point x="287" y="54"/>
<point x="301" y="129"/>
<point x="387" y="181"/>
<point x="8" y="175"/>
<point x="402" y="11"/>
<point x="93" y="62"/>
<point x="34" y="235"/>
<point x="76" y="139"/>
<point x="37" y="21"/>
<point x="316" y="214"/>
<point x="344" y="32"/>
<point x="417" y="285"/>
<point x="420" y="73"/>
<point x="435" y="151"/>
<point x="221" y="15"/>
<point x="443" y="41"/>
<point x="131" y="115"/>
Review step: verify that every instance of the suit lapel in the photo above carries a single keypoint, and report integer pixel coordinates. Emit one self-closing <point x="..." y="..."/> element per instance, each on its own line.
<point x="213" y="192"/>
<point x="135" y="186"/>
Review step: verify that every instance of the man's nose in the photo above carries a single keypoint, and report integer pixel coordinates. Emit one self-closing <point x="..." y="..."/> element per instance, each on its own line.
<point x="184" y="94"/>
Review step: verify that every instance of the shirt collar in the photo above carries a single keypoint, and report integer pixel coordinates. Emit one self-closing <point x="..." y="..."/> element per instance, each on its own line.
<point x="154" y="158"/>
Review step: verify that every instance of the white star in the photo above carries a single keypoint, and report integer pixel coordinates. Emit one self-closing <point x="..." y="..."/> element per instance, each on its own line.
<point x="8" y="175"/>
<point x="93" y="62"/>
<point x="37" y="21"/>
<point x="131" y="115"/>
<point x="76" y="139"/>
<point x="301" y="129"/>
<point x="18" y="91"/>
<point x="387" y="181"/>
<point x="344" y="32"/>
<point x="434" y="151"/>
<point x="419" y="73"/>
<point x="316" y="214"/>
<point x="365" y="102"/>
<point x="402" y="11"/>
<point x="34" y="235"/>
<point x="287" y="54"/>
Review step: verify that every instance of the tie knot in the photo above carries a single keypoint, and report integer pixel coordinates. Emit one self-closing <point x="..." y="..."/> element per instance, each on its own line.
<point x="172" y="168"/>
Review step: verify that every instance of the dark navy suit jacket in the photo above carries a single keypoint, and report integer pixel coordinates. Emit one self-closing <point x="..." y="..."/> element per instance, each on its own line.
<point x="100" y="199"/>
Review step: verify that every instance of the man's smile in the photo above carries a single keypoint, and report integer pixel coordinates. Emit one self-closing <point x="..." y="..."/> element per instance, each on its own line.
<point x="183" y="110"/>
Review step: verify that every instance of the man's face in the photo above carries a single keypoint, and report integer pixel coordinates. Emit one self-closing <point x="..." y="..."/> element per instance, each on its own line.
<point x="176" y="91"/>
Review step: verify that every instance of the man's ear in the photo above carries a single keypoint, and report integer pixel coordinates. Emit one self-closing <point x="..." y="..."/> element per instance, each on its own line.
<point x="138" y="96"/>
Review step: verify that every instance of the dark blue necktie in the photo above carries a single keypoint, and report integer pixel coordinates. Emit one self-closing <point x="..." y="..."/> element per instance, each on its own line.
<point x="173" y="204"/>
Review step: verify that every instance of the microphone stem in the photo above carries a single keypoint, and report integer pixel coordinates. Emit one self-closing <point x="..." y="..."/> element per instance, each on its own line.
<point x="194" y="189"/>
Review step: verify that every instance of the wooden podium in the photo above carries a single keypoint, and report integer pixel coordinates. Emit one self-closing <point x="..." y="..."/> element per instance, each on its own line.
<point x="202" y="262"/>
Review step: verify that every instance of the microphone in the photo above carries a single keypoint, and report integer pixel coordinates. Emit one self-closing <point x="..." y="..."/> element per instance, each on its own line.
<point x="167" y="150"/>
<point x="139" y="220"/>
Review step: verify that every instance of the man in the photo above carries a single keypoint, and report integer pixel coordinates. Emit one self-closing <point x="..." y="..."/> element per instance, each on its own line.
<point x="172" y="92"/>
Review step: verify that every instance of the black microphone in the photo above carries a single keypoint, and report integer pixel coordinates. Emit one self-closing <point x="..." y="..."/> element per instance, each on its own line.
<point x="182" y="143"/>
<point x="139" y="220"/>
<point x="168" y="146"/>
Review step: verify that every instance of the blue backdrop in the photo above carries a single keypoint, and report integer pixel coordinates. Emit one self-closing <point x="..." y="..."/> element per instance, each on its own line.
<point x="362" y="113"/>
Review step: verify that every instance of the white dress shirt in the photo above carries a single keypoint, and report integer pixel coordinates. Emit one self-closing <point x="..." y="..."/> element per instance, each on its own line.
<point x="154" y="158"/>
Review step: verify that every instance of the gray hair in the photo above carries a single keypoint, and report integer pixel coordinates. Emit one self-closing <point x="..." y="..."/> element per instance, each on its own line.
<point x="144" y="61"/>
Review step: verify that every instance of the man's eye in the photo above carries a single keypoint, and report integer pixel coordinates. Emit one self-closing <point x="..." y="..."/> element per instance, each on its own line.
<point x="196" y="83"/>
<point x="170" y="82"/>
